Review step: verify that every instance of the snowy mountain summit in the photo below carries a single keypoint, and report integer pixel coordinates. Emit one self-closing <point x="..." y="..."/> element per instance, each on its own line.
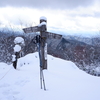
<point x="63" y="80"/>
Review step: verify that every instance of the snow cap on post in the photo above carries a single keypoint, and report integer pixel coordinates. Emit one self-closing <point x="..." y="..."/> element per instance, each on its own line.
<point x="13" y="58"/>
<point x="19" y="40"/>
<point x="43" y="19"/>
<point x="42" y="23"/>
<point x="17" y="48"/>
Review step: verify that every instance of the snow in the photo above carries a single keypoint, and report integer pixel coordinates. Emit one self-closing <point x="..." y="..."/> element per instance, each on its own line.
<point x="43" y="23"/>
<point x="63" y="80"/>
<point x="18" y="40"/>
<point x="98" y="69"/>
<point x="13" y="57"/>
<point x="43" y="18"/>
<point x="17" y="48"/>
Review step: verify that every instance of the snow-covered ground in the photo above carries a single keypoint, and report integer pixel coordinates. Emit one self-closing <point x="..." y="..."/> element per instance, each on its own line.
<point x="63" y="80"/>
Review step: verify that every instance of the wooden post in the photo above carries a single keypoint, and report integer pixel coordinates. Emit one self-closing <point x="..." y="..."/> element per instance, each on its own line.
<point x="43" y="42"/>
<point x="44" y="35"/>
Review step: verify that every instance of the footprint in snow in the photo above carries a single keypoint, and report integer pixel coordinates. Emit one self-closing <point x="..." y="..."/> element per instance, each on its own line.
<point x="4" y="85"/>
<point x="10" y="92"/>
<point x="21" y="82"/>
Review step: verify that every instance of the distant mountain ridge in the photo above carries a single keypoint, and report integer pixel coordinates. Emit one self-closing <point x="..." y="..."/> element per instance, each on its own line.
<point x="87" y="40"/>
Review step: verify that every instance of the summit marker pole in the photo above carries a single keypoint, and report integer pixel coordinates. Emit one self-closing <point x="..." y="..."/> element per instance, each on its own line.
<point x="42" y="44"/>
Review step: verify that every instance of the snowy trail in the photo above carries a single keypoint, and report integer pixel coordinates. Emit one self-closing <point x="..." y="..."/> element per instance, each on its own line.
<point x="64" y="81"/>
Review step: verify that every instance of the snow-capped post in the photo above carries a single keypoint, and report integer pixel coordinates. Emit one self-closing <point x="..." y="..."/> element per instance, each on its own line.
<point x="43" y="35"/>
<point x="19" y="43"/>
<point x="41" y="41"/>
<point x="43" y="47"/>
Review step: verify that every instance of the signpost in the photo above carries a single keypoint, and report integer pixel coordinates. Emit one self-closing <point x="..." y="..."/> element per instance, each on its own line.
<point x="44" y="35"/>
<point x="37" y="29"/>
<point x="42" y="43"/>
<point x="31" y="29"/>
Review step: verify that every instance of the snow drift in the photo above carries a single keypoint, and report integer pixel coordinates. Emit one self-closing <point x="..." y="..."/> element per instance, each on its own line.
<point x="64" y="81"/>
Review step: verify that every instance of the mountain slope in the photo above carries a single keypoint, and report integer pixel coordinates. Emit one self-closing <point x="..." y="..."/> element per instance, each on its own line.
<point x="64" y="81"/>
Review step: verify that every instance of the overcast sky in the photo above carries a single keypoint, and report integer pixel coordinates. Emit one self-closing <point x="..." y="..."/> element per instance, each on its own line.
<point x="67" y="16"/>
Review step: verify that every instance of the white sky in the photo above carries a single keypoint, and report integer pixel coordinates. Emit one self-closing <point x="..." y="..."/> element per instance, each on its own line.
<point x="67" y="16"/>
